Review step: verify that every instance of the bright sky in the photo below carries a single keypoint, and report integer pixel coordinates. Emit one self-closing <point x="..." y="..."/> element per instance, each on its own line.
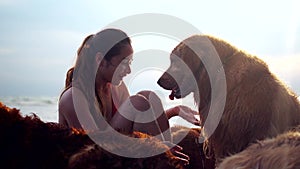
<point x="39" y="39"/>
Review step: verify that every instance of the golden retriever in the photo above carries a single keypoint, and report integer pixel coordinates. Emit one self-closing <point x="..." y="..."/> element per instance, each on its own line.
<point x="257" y="105"/>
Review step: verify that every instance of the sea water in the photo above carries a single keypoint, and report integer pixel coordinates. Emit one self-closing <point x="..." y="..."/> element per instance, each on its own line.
<point x="44" y="107"/>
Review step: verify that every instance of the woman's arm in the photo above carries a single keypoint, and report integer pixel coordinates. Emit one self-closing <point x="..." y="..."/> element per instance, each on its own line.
<point x="74" y="110"/>
<point x="184" y="112"/>
<point x="174" y="111"/>
<point x="67" y="114"/>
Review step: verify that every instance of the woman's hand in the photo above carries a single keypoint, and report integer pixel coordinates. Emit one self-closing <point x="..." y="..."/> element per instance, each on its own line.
<point x="189" y="115"/>
<point x="176" y="150"/>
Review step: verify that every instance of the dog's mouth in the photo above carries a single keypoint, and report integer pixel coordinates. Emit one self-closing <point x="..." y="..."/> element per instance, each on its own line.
<point x="179" y="87"/>
<point x="175" y="93"/>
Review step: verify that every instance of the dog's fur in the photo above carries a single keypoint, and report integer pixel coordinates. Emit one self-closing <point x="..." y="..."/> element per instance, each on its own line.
<point x="258" y="105"/>
<point x="281" y="152"/>
<point x="190" y="140"/>
<point x="28" y="142"/>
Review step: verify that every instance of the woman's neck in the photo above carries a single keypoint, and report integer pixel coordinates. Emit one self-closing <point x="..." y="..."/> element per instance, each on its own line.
<point x="102" y="87"/>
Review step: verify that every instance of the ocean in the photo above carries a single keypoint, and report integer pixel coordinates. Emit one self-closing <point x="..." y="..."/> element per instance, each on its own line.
<point x="46" y="108"/>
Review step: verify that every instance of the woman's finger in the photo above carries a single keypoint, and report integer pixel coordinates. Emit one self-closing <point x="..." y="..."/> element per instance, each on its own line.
<point x="176" y="150"/>
<point x="177" y="147"/>
<point x="181" y="155"/>
<point x="184" y="161"/>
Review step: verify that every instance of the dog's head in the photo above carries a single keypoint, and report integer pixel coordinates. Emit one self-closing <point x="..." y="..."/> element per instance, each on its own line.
<point x="187" y="66"/>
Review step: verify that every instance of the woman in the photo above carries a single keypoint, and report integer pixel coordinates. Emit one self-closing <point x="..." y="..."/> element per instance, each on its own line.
<point x="96" y="97"/>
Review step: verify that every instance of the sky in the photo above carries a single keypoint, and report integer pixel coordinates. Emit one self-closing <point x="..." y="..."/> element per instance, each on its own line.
<point x="39" y="39"/>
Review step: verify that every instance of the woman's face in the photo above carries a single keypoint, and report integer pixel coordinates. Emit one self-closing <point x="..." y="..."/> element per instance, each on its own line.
<point x="119" y="66"/>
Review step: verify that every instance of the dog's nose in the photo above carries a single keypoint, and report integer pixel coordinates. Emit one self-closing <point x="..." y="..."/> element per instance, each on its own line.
<point x="162" y="80"/>
<point x="159" y="82"/>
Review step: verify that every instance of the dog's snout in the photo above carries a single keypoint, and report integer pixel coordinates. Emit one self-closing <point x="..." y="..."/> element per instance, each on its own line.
<point x="161" y="81"/>
<point x="163" y="78"/>
<point x="166" y="81"/>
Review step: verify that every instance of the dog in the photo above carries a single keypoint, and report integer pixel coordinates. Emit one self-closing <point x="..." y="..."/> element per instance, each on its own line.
<point x="281" y="152"/>
<point x="257" y="105"/>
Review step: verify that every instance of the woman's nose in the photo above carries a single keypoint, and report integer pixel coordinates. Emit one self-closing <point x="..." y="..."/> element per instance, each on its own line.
<point x="128" y="69"/>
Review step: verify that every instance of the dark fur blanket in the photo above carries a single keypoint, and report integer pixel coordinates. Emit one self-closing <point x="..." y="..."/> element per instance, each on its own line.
<point x="29" y="143"/>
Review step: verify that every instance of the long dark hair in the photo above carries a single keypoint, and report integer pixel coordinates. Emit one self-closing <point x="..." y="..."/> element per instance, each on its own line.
<point x="109" y="42"/>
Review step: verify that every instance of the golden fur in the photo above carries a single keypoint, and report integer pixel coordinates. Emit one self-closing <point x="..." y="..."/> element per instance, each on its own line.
<point x="281" y="152"/>
<point x="258" y="105"/>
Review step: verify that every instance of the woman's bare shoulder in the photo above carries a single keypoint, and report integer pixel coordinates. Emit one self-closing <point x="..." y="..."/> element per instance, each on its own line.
<point x="66" y="102"/>
<point x="71" y="96"/>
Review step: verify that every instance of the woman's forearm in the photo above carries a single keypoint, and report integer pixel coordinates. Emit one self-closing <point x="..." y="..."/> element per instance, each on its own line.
<point x="174" y="111"/>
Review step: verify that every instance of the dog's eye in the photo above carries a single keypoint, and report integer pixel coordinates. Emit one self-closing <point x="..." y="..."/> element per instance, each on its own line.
<point x="174" y="58"/>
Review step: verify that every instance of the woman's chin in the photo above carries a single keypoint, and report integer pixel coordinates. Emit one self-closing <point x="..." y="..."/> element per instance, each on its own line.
<point x="116" y="82"/>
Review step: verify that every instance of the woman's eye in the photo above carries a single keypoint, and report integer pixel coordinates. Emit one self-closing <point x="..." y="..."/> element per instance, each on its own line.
<point x="130" y="61"/>
<point x="126" y="62"/>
